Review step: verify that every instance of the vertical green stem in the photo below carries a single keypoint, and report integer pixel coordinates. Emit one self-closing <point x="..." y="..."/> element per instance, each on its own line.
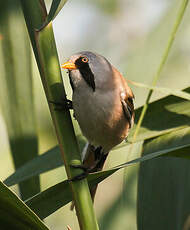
<point x="162" y="63"/>
<point x="44" y="47"/>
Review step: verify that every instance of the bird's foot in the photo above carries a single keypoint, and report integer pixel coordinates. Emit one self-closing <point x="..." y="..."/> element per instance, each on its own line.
<point x="63" y="105"/>
<point x="80" y="176"/>
<point x="86" y="170"/>
<point x="97" y="165"/>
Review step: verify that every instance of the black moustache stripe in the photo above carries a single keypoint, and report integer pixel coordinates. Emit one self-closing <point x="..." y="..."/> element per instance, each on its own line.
<point x="87" y="75"/>
<point x="86" y="72"/>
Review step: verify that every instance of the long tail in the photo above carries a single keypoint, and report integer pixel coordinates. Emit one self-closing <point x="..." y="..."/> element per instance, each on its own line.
<point x="93" y="158"/>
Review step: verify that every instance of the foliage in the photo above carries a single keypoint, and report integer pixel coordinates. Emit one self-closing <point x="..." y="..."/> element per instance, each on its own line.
<point x="161" y="128"/>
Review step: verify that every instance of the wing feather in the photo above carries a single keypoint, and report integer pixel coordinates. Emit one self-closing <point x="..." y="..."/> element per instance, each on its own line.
<point x="127" y="97"/>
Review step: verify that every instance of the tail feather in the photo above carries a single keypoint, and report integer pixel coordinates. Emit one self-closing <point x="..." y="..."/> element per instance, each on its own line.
<point x="95" y="155"/>
<point x="93" y="159"/>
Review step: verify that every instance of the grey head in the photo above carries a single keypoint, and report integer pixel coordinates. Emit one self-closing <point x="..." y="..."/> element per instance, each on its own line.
<point x="89" y="69"/>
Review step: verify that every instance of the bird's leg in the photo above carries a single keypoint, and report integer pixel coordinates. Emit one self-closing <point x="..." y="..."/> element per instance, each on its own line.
<point x="63" y="105"/>
<point x="100" y="158"/>
<point x="80" y="176"/>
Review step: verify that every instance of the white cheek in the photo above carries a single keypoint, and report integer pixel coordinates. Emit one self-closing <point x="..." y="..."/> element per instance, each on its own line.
<point x="76" y="77"/>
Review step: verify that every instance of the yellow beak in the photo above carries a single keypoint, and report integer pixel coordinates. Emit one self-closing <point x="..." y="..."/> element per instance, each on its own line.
<point x="68" y="65"/>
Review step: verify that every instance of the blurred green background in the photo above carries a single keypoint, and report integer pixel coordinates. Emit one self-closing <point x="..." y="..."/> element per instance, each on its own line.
<point x="132" y="34"/>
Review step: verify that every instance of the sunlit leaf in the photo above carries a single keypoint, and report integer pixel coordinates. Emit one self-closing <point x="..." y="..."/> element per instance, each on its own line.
<point x="179" y="139"/>
<point x="55" y="8"/>
<point x="43" y="163"/>
<point x="175" y="116"/>
<point x="174" y="92"/>
<point x="165" y="115"/>
<point x="47" y="161"/>
<point x="48" y="201"/>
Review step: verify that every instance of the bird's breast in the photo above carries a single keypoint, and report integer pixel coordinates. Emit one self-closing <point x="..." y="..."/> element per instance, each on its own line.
<point x="100" y="117"/>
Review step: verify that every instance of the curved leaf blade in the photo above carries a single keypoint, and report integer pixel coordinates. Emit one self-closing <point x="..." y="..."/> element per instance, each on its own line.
<point x="163" y="116"/>
<point x="174" y="92"/>
<point x="52" y="158"/>
<point x="14" y="214"/>
<point x="43" y="163"/>
<point x="163" y="185"/>
<point x="179" y="139"/>
<point x="49" y="160"/>
<point x="55" y="197"/>
<point x="55" y="8"/>
<point x="16" y="91"/>
<point x="175" y="116"/>
<point x="50" y="200"/>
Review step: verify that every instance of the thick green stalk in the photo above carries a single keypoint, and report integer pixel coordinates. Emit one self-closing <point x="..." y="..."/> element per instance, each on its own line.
<point x="44" y="47"/>
<point x="162" y="63"/>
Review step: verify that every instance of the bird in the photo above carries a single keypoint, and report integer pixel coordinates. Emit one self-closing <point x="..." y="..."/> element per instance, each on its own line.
<point x="103" y="105"/>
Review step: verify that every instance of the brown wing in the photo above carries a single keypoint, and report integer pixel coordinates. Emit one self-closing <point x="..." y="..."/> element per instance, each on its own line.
<point x="127" y="97"/>
<point x="128" y="108"/>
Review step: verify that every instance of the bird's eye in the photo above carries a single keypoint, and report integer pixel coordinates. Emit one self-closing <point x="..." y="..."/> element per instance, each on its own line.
<point x="85" y="59"/>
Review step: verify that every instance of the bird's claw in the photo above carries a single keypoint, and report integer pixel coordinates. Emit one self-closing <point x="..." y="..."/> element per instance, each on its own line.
<point x="63" y="105"/>
<point x="81" y="176"/>
<point x="86" y="171"/>
<point x="78" y="177"/>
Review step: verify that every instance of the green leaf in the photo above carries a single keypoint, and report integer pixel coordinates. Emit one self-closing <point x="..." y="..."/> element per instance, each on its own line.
<point x="175" y="116"/>
<point x="121" y="212"/>
<point x="55" y="8"/>
<point x="57" y="195"/>
<point x="50" y="200"/>
<point x="174" y="92"/>
<point x="164" y="58"/>
<point x="40" y="164"/>
<point x="164" y="184"/>
<point x="16" y="90"/>
<point x="47" y="161"/>
<point x="14" y="214"/>
<point x="179" y="139"/>
<point x="124" y="204"/>
<point x="165" y="115"/>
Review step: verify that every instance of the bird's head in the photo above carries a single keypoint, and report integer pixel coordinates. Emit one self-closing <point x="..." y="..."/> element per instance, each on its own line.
<point x="88" y="68"/>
